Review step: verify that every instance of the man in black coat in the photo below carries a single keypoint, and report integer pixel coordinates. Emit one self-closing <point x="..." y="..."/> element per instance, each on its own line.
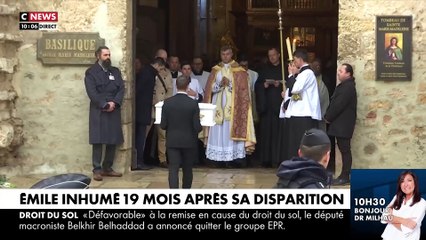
<point x="341" y="116"/>
<point x="180" y="117"/>
<point x="144" y="99"/>
<point x="105" y="88"/>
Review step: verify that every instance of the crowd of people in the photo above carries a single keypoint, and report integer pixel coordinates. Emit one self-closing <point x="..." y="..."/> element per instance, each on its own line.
<point x="262" y="117"/>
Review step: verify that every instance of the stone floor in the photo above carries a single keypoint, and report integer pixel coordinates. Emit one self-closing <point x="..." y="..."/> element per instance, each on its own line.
<point x="157" y="178"/>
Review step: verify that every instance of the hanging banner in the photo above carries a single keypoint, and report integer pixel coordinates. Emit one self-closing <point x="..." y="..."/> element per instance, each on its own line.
<point x="393" y="47"/>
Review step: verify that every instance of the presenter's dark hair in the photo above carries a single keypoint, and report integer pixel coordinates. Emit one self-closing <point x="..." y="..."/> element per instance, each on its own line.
<point x="400" y="195"/>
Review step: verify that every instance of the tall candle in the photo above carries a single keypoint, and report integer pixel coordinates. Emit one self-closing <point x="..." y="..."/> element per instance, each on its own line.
<point x="294" y="45"/>
<point x="290" y="53"/>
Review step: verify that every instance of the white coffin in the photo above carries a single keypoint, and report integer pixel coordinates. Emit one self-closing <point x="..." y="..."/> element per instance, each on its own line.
<point x="207" y="112"/>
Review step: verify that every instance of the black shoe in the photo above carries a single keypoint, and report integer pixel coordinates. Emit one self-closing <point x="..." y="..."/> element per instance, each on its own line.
<point x="340" y="181"/>
<point x="142" y="167"/>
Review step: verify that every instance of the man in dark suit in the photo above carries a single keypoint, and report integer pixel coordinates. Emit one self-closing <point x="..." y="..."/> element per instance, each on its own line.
<point x="341" y="115"/>
<point x="180" y="117"/>
<point x="144" y="99"/>
<point x="105" y="88"/>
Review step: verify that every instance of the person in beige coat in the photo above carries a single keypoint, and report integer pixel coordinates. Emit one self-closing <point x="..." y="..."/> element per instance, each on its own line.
<point x="163" y="89"/>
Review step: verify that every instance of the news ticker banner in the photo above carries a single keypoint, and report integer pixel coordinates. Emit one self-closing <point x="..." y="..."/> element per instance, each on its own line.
<point x="286" y="221"/>
<point x="371" y="192"/>
<point x="175" y="199"/>
<point x="178" y="211"/>
<point x="38" y="20"/>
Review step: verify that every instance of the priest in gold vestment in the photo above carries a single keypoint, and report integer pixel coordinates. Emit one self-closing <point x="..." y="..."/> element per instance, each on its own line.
<point x="228" y="88"/>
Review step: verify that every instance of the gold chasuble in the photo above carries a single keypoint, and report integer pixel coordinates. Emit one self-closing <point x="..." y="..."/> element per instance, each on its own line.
<point x="239" y="110"/>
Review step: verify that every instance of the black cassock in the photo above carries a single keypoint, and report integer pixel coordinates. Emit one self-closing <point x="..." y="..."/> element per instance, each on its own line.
<point x="268" y="101"/>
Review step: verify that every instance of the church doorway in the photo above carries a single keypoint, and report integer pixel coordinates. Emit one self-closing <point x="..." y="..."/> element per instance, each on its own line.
<point x="188" y="28"/>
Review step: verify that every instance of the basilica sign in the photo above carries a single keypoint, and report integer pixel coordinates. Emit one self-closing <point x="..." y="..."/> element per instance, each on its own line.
<point x="394" y="47"/>
<point x="68" y="48"/>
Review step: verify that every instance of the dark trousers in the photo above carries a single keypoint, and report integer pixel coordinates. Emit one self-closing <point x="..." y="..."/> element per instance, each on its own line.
<point x="106" y="165"/>
<point x="331" y="167"/>
<point x="296" y="128"/>
<point x="184" y="157"/>
<point x="201" y="153"/>
<point x="344" y="145"/>
<point x="140" y="143"/>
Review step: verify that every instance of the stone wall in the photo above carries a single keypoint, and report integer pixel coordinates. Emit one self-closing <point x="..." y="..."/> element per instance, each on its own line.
<point x="51" y="100"/>
<point x="44" y="109"/>
<point x="391" y="127"/>
<point x="11" y="137"/>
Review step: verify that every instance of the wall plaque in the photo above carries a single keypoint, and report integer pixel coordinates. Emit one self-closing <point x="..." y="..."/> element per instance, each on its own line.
<point x="68" y="48"/>
<point x="394" y="47"/>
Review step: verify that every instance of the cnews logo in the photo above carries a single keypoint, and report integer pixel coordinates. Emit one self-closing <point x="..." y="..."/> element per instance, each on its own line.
<point x="38" y="20"/>
<point x="38" y="16"/>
